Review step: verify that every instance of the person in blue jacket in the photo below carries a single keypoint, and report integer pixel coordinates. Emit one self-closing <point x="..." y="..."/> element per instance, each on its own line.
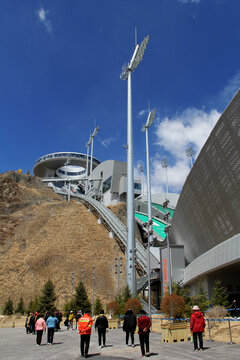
<point x="52" y="322"/>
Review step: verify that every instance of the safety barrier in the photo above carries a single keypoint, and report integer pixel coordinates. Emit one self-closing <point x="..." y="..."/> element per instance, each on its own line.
<point x="116" y="226"/>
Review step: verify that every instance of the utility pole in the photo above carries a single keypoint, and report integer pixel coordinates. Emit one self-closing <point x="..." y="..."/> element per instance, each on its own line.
<point x="93" y="283"/>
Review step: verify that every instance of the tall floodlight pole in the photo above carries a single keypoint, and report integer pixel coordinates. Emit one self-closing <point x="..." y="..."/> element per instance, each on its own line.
<point x="72" y="284"/>
<point x="92" y="137"/>
<point x="118" y="271"/>
<point x="93" y="283"/>
<point x="142" y="178"/>
<point x="190" y="153"/>
<point x="167" y="229"/>
<point x="86" y="183"/>
<point x="131" y="248"/>
<point x="164" y="163"/>
<point x="150" y="120"/>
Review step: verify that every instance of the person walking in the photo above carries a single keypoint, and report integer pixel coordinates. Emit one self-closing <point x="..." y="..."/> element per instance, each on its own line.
<point x="70" y="320"/>
<point x="78" y="315"/>
<point x="27" y="323"/>
<point x="101" y="324"/>
<point x="144" y="324"/>
<point x="51" y="326"/>
<point x="197" y="325"/>
<point x="40" y="325"/>
<point x="129" y="325"/>
<point x="234" y="311"/>
<point x="85" y="329"/>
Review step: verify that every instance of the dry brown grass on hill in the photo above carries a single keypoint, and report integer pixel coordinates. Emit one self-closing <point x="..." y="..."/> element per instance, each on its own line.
<point x="45" y="238"/>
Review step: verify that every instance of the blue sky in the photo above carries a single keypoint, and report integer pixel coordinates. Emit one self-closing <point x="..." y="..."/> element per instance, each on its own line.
<point x="60" y="65"/>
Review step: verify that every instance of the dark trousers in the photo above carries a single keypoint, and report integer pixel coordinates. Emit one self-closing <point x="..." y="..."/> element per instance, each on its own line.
<point x="101" y="336"/>
<point x="84" y="344"/>
<point x="39" y="337"/>
<point x="144" y="342"/>
<point x="50" y="334"/>
<point x="132" y="337"/>
<point x="195" y="342"/>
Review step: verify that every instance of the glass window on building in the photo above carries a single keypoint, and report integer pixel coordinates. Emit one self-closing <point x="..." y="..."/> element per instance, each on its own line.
<point x="106" y="184"/>
<point x="137" y="186"/>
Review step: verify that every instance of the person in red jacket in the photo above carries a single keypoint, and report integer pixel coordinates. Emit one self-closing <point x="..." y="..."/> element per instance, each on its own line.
<point x="197" y="326"/>
<point x="144" y="324"/>
<point x="85" y="328"/>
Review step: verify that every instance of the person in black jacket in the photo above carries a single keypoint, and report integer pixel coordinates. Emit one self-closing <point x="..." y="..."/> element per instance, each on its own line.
<point x="101" y="324"/>
<point x="129" y="325"/>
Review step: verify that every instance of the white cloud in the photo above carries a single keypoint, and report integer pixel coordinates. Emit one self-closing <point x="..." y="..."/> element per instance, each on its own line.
<point x="173" y="136"/>
<point x="142" y="112"/>
<point x="107" y="142"/>
<point x="189" y="1"/>
<point x="42" y="16"/>
<point x="231" y="88"/>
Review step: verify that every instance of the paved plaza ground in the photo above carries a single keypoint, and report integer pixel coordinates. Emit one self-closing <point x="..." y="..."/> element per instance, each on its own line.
<point x="15" y="344"/>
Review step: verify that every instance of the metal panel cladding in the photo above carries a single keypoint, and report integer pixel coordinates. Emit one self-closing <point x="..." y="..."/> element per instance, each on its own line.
<point x="208" y="209"/>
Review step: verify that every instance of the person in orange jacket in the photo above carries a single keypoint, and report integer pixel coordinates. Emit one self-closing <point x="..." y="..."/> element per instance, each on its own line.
<point x="85" y="329"/>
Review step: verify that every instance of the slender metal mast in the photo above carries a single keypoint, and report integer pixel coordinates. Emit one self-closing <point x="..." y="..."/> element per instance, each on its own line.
<point x="131" y="247"/>
<point x="145" y="128"/>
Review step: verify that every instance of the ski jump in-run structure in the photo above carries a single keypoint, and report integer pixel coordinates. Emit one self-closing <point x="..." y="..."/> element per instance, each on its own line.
<point x="119" y="231"/>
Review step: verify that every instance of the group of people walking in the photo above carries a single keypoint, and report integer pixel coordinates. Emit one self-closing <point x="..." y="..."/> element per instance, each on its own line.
<point x="130" y="323"/>
<point x="36" y="323"/>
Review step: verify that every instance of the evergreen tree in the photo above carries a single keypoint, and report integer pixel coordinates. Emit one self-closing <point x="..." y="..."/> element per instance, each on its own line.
<point x="30" y="307"/>
<point x="20" y="307"/>
<point x="8" y="307"/>
<point x="126" y="293"/>
<point x="48" y="298"/>
<point x="80" y="301"/>
<point x="97" y="306"/>
<point x="121" y="303"/>
<point x="201" y="299"/>
<point x="219" y="296"/>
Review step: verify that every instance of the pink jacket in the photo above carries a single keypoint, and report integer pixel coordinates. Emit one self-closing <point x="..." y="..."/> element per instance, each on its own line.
<point x="40" y="324"/>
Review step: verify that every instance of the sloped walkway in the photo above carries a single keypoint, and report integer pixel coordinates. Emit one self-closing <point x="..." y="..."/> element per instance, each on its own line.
<point x="15" y="344"/>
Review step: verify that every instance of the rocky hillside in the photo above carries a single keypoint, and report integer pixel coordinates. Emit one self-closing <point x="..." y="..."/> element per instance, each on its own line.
<point x="44" y="237"/>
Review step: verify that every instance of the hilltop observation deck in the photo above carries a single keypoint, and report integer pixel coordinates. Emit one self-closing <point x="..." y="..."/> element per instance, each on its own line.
<point x="46" y="166"/>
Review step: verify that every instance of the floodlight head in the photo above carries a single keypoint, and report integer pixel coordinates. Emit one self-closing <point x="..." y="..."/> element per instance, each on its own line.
<point x="164" y="163"/>
<point x="189" y="152"/>
<point x="95" y="132"/>
<point x="124" y="73"/>
<point x="138" y="54"/>
<point x="151" y="117"/>
<point x="135" y="60"/>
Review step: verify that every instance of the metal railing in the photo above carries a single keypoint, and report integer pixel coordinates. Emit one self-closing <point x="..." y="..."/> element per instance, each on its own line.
<point x="116" y="226"/>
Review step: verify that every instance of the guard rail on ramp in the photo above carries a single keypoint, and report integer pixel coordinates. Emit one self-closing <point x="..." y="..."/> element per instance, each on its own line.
<point x="116" y="227"/>
<point x="142" y="282"/>
<point x="145" y="306"/>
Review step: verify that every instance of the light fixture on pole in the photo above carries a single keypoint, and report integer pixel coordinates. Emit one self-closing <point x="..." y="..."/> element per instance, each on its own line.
<point x="190" y="153"/>
<point x="164" y="163"/>
<point x="86" y="183"/>
<point x="150" y="120"/>
<point x="126" y="75"/>
<point x="72" y="284"/>
<point x="92" y="137"/>
<point x="82" y="276"/>
<point x="118" y="271"/>
<point x="93" y="283"/>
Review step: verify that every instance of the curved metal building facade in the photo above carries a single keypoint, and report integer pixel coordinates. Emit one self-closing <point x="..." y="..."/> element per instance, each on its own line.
<point x="208" y="209"/>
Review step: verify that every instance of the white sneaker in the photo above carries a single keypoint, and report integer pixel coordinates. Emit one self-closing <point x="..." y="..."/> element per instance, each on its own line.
<point x="100" y="346"/>
<point x="132" y="345"/>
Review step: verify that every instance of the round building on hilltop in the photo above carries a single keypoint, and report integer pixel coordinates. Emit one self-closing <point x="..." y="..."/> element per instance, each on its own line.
<point x="63" y="164"/>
